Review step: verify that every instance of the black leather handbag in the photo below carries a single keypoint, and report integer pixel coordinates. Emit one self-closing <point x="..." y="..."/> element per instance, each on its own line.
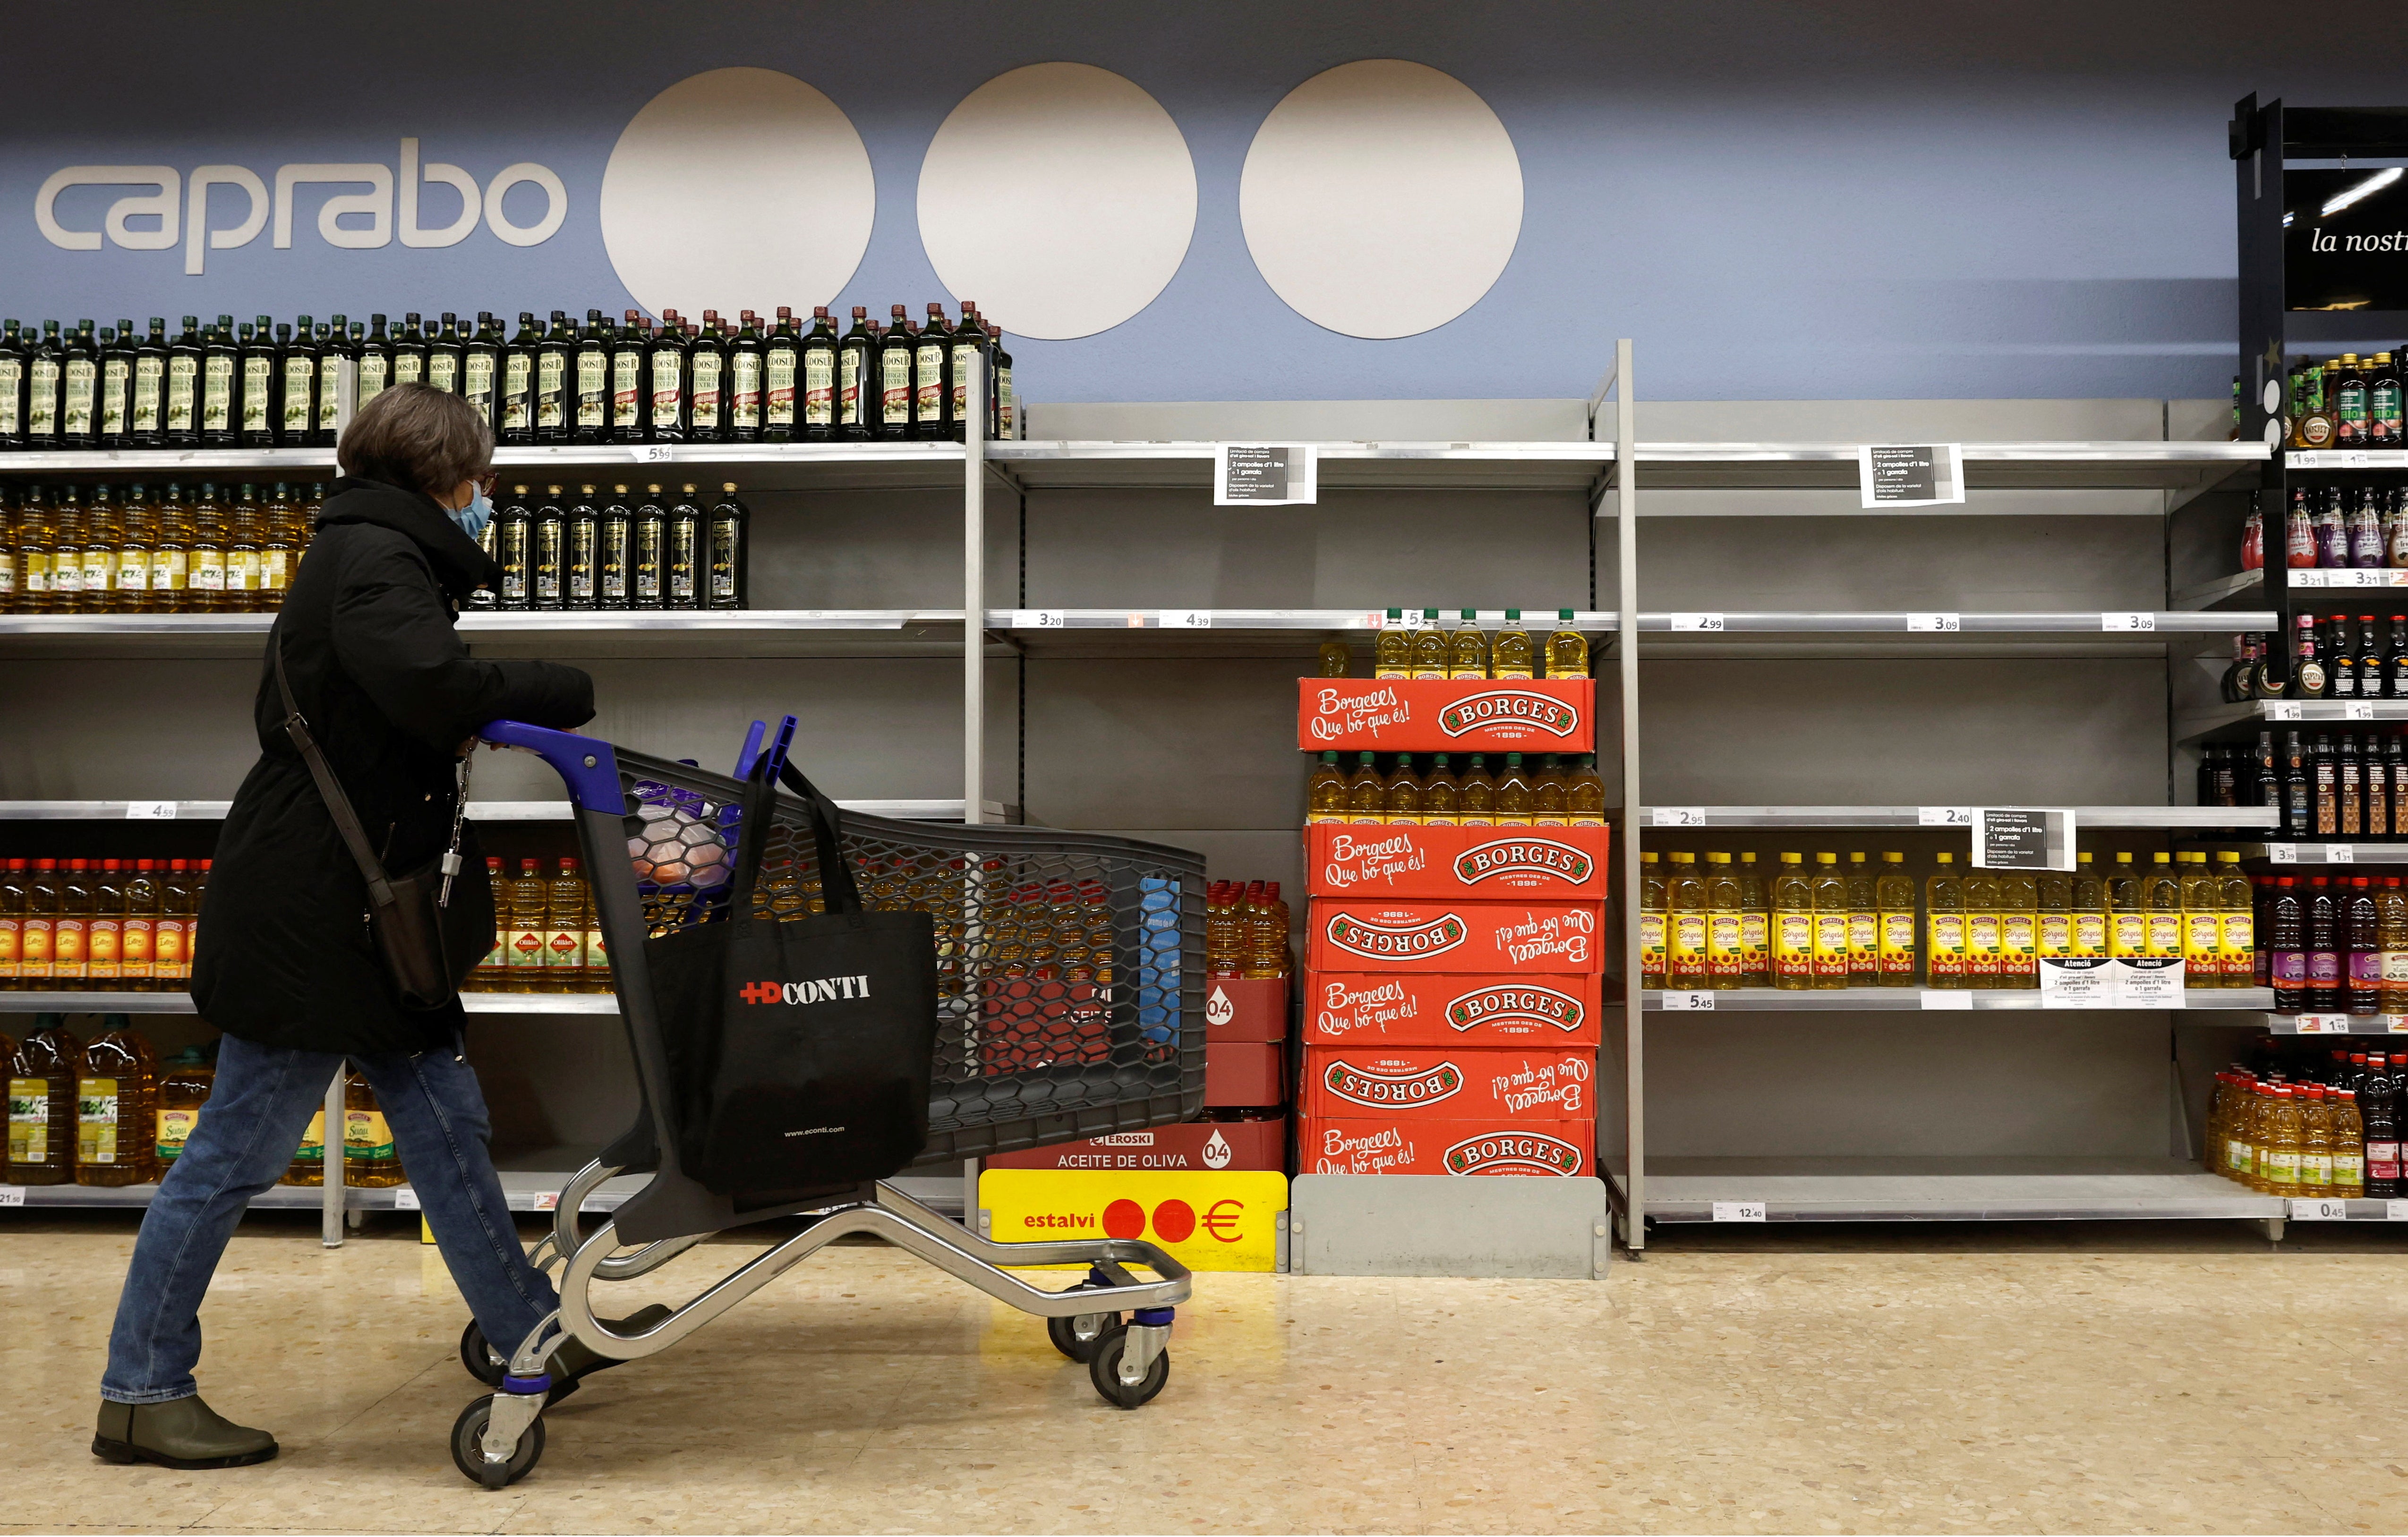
<point x="427" y="942"/>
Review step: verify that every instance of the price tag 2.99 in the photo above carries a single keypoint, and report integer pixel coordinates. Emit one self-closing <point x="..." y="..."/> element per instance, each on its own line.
<point x="1712" y="623"/>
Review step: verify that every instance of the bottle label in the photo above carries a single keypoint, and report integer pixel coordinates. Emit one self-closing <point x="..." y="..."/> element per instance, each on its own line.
<point x="217" y="395"/>
<point x="171" y="956"/>
<point x="83" y="380"/>
<point x="726" y="550"/>
<point x="313" y="1141"/>
<point x="2324" y="969"/>
<point x="929" y="396"/>
<point x="2055" y="938"/>
<point x="167" y="572"/>
<point x="2018" y="936"/>
<point x="551" y="381"/>
<point x="9" y="953"/>
<point x="516" y="373"/>
<point x="376" y="372"/>
<point x="209" y="570"/>
<point x="1830" y="944"/>
<point x="1982" y="941"/>
<point x="366" y="1136"/>
<point x="2366" y="970"/>
<point x="2237" y="941"/>
<point x="2203" y="937"/>
<point x="443" y="371"/>
<point x="408" y="367"/>
<point x="132" y="570"/>
<point x="668" y="387"/>
<point x="744" y="391"/>
<point x="854" y="365"/>
<point x="134" y="948"/>
<point x="963" y="352"/>
<point x="66" y="947"/>
<point x="33" y="948"/>
<point x="708" y="377"/>
<point x="114" y="378"/>
<point x="96" y="1120"/>
<point x="99" y="570"/>
<point x="592" y="388"/>
<point x="2127" y="934"/>
<point x="527" y="949"/>
<point x="2165" y="934"/>
<point x="477" y="383"/>
<point x="176" y="1129"/>
<point x="242" y="571"/>
<point x="2383" y="1160"/>
<point x="819" y="389"/>
<point x="1947" y="944"/>
<point x="627" y="388"/>
<point x="2395" y="968"/>
<point x="38" y="570"/>
<point x="272" y="570"/>
<point x="257" y="373"/>
<point x="596" y="959"/>
<point x="1792" y="944"/>
<point x="564" y="949"/>
<point x="12" y="388"/>
<point x="1726" y="953"/>
<point x="101" y="948"/>
<point x="2288" y="968"/>
<point x="1864" y="936"/>
<point x="1689" y="942"/>
<point x="42" y="405"/>
<point x="1897" y="958"/>
<point x="1006" y="416"/>
<point x="2282" y="1165"/>
<point x="895" y="384"/>
<point x="29" y="1121"/>
<point x="1651" y="944"/>
<point x="2238" y="1155"/>
<point x="300" y="380"/>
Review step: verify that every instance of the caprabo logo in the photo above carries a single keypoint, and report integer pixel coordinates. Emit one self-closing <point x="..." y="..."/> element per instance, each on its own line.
<point x="1516" y="1005"/>
<point x="1496" y="707"/>
<point x="1396" y="942"/>
<point x="1524" y="857"/>
<point x="1513" y="1151"/>
<point x="1392" y="1090"/>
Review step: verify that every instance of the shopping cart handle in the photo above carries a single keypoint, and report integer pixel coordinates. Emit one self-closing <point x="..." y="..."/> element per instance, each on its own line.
<point x="589" y="767"/>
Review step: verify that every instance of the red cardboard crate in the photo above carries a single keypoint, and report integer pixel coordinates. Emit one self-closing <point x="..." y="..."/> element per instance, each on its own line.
<point x="1506" y="1085"/>
<point x="1374" y="934"/>
<point x="1207" y="1145"/>
<point x="1409" y="1008"/>
<point x="1243" y="1074"/>
<point x="1367" y="859"/>
<point x="1393" y="1145"/>
<point x="1452" y="715"/>
<point x="1245" y="1009"/>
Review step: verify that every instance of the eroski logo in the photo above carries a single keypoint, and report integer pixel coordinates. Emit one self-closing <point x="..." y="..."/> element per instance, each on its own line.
<point x="1530" y="856"/>
<point x="1390" y="1090"/>
<point x="824" y="990"/>
<point x="1396" y="942"/>
<point x="1530" y="1151"/>
<point x="1509" y="707"/>
<point x="1518" y="1004"/>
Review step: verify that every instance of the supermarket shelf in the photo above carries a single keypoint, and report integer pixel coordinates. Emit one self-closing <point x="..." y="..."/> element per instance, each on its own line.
<point x="2201" y="723"/>
<point x="1921" y="818"/>
<point x="1995" y="1189"/>
<point x="2207" y="595"/>
<point x="683" y="633"/>
<point x="96" y="1001"/>
<point x="2337" y="1024"/>
<point x="2035" y="465"/>
<point x="275" y="1197"/>
<point x="2125" y="626"/>
<point x="2327" y="854"/>
<point x="756" y="466"/>
<point x="2349" y="579"/>
<point x="1346" y="465"/>
<point x="2345" y="459"/>
<point x="1917" y="1000"/>
<point x="478" y="811"/>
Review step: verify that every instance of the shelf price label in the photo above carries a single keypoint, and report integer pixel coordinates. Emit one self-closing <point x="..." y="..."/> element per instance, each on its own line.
<point x="14" y="1195"/>
<point x="2340" y="854"/>
<point x="2395" y="1210"/>
<point x="2276" y="711"/>
<point x="1677" y="816"/>
<point x="1944" y="816"/>
<point x="2356" y="710"/>
<point x="1946" y="1000"/>
<point x="1688" y="1003"/>
<point x="1186" y="619"/>
<point x="1711" y="623"/>
<point x="2281" y="854"/>
<point x="2033" y="841"/>
<point x="149" y="811"/>
<point x="2320" y="1024"/>
<point x="1039" y="619"/>
<point x="2128" y="624"/>
<point x="1933" y="624"/>
<point x="2321" y="1209"/>
<point x="405" y="1199"/>
<point x="648" y="454"/>
<point x="1738" y="1210"/>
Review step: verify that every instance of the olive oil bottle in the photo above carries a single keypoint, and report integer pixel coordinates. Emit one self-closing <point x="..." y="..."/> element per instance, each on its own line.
<point x="1467" y="648"/>
<point x="1430" y="648"/>
<point x="42" y="1074"/>
<point x="1441" y="795"/>
<point x="116" y="1124"/>
<point x="1324" y="792"/>
<point x="1511" y="657"/>
<point x="1513" y="797"/>
<point x="1367" y="793"/>
<point x="1392" y="653"/>
<point x="1403" y="807"/>
<point x="1567" y="649"/>
<point x="1478" y="795"/>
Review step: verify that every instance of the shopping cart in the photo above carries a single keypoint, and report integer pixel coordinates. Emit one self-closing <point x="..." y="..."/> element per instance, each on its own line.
<point x="1070" y="970"/>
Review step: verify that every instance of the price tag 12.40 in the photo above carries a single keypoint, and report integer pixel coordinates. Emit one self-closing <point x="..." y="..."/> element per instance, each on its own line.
<point x="1738" y="1210"/>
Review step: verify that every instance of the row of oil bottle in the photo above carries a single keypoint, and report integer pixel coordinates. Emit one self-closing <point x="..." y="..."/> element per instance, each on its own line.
<point x="120" y="549"/>
<point x="2294" y="1125"/>
<point x="108" y="1113"/>
<point x="1855" y="924"/>
<point x="1246" y="930"/>
<point x="118" y="925"/>
<point x="1523" y="790"/>
<point x="1416" y="643"/>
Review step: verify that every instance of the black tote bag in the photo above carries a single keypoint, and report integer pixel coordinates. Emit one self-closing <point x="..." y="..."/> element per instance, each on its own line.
<point x="801" y="1049"/>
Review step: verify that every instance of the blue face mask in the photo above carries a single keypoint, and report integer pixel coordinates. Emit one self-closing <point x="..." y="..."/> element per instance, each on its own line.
<point x="473" y="518"/>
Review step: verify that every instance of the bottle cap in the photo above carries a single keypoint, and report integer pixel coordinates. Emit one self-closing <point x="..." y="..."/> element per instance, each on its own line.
<point x="1827" y="860"/>
<point x="1946" y="858"/>
<point x="1685" y="858"/>
<point x="1718" y="859"/>
<point x="1647" y="859"/>
<point x="1856" y="856"/>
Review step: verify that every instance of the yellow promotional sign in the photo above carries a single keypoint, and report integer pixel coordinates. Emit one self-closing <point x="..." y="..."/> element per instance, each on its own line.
<point x="1225" y="1221"/>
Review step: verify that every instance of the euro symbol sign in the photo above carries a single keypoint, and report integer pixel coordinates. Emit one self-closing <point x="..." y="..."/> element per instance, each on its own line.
<point x="1221" y="1217"/>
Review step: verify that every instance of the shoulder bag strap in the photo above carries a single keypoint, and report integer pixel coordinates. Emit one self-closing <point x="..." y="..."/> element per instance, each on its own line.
<point x="329" y="788"/>
<point x="828" y="831"/>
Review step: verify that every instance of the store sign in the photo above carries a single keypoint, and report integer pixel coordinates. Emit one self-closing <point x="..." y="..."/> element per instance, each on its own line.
<point x="2345" y="239"/>
<point x="175" y="207"/>
<point x="1264" y="475"/>
<point x="1206" y="1221"/>
<point x="1910" y="475"/>
<point x="2020" y="839"/>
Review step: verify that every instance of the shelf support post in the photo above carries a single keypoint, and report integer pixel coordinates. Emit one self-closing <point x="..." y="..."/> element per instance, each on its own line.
<point x="974" y="591"/>
<point x="1625" y="528"/>
<point x="330" y="1145"/>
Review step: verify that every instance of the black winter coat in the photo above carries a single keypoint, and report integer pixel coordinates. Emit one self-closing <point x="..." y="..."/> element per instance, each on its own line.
<point x="284" y="957"/>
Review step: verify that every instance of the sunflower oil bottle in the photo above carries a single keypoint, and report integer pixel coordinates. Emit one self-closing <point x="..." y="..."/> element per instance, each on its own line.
<point x="1685" y="964"/>
<point x="2162" y="894"/>
<point x="1943" y="901"/>
<point x="1725" y="950"/>
<point x="2018" y="930"/>
<point x="2128" y="909"/>
<point x="116" y="1112"/>
<point x="1511" y="656"/>
<point x="1392" y="652"/>
<point x="309" y="1165"/>
<point x="1324" y="792"/>
<point x="184" y="1084"/>
<point x="2237" y="922"/>
<point x="2090" y="910"/>
<point x="1584" y="795"/>
<point x="2054" y="938"/>
<point x="1337" y="657"/>
<point x="1466" y="648"/>
<point x="1793" y="926"/>
<point x="1830" y="895"/>
<point x="1430" y="648"/>
<point x="1894" y="912"/>
<point x="1982" y="953"/>
<point x="1754" y="927"/>
<point x="530" y="896"/>
<point x="42" y="1073"/>
<point x="1864" y="925"/>
<point x="2280" y="1149"/>
<point x="2316" y="1141"/>
<point x="1567" y="649"/>
<point x="2203" y="919"/>
<point x="1651" y="921"/>
<point x="564" y="936"/>
<point x="369" y="1160"/>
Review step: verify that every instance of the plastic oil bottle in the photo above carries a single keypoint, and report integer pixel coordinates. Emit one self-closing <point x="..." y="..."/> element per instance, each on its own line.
<point x="116" y="1109"/>
<point x="1685" y="967"/>
<point x="2090" y="910"/>
<point x="564" y="938"/>
<point x="42" y="1073"/>
<point x="1567" y="649"/>
<point x="1864" y="925"/>
<point x="2054" y="939"/>
<point x="2391" y="903"/>
<point x="2018" y="930"/>
<point x="1894" y="910"/>
<point x="2236" y="939"/>
<point x="1441" y="796"/>
<point x="1476" y="796"/>
<point x="1754" y="926"/>
<point x="1367" y="793"/>
<point x="2128" y="909"/>
<point x="1392" y="653"/>
<point x="1511" y="655"/>
<point x="1404" y="802"/>
<point x="1430" y="648"/>
<point x="2162" y="894"/>
<point x="2203" y="919"/>
<point x="1982" y="953"/>
<point x="1830" y="895"/>
<point x="1512" y="794"/>
<point x="1793" y="926"/>
<point x="2348" y="1144"/>
<point x="1337" y="657"/>
<point x="1651" y="921"/>
<point x="1550" y="794"/>
<point x="1585" y="795"/>
<point x="184" y="1084"/>
<point x="530" y="895"/>
<point x="1943" y="901"/>
<point x="1725" y="949"/>
<point x="2279" y="1145"/>
<point x="368" y="1157"/>
<point x="1467" y="648"/>
<point x="2316" y="1141"/>
<point x="309" y="1165"/>
<point x="1324" y="792"/>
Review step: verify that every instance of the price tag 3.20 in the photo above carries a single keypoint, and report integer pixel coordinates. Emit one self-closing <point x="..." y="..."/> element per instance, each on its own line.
<point x="1037" y="619"/>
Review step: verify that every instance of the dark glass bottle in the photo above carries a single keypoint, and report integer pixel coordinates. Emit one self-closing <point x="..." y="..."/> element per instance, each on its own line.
<point x="2324" y="766"/>
<point x="296" y="394"/>
<point x="2307" y="664"/>
<point x="410" y="350"/>
<point x="817" y="379"/>
<point x="781" y="380"/>
<point x="969" y="338"/>
<point x="335" y="350"/>
<point x="213" y="374"/>
<point x="2340" y="661"/>
<point x="45" y="369"/>
<point x="446" y="352"/>
<point x="2349" y="789"/>
<point x="553" y="360"/>
<point x="648" y="572"/>
<point x="686" y="577"/>
<point x="376" y="354"/>
<point x="590" y="408"/>
<point x="730" y="551"/>
<point x="145" y="403"/>
<point x="480" y="371"/>
<point x="856" y="378"/>
<point x="256" y="403"/>
<point x="932" y="357"/>
<point x="12" y="390"/>
<point x="518" y="381"/>
<point x="1003" y="409"/>
<point x="615" y="565"/>
<point x="745" y="356"/>
<point x="2395" y="773"/>
<point x="895" y="359"/>
<point x="707" y="368"/>
<point x="582" y="584"/>
<point x="2299" y="790"/>
<point x="116" y="409"/>
<point x="665" y="391"/>
<point x="514" y="544"/>
<point x="80" y="388"/>
<point x="627" y="378"/>
<point x="547" y="565"/>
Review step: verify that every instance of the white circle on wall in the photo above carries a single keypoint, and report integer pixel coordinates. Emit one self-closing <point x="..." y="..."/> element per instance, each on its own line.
<point x="737" y="188"/>
<point x="1380" y="198"/>
<point x="1059" y="197"/>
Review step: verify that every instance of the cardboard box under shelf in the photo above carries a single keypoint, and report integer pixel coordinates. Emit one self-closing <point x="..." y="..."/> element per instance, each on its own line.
<point x="1244" y="1074"/>
<point x="1258" y="1146"/>
<point x="1245" y="1009"/>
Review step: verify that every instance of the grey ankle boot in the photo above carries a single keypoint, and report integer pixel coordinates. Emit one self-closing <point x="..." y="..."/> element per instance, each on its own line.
<point x="178" y="1433"/>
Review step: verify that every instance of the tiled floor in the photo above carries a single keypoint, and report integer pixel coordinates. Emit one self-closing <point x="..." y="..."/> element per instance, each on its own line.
<point x="2052" y="1378"/>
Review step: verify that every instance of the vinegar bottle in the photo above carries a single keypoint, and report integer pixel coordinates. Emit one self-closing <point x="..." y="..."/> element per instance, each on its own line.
<point x="1685" y="968"/>
<point x="1983" y="959"/>
<point x="1943" y="901"/>
<point x="1651" y="922"/>
<point x="42" y="1074"/>
<point x="1754" y="927"/>
<point x="1793" y="926"/>
<point x="1324" y="792"/>
<point x="2287" y="940"/>
<point x="116" y="1108"/>
<point x="1864" y="925"/>
<point x="2391" y="905"/>
<point x="2361" y="925"/>
<point x="1894" y="909"/>
<point x="1726" y="953"/>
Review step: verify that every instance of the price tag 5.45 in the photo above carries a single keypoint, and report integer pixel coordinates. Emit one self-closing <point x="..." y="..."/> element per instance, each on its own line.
<point x="1682" y="1003"/>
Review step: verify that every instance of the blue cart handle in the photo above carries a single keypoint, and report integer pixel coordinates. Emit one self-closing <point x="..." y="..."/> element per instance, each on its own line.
<point x="590" y="768"/>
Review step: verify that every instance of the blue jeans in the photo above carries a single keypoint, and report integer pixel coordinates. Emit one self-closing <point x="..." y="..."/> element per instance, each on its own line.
<point x="257" y="1113"/>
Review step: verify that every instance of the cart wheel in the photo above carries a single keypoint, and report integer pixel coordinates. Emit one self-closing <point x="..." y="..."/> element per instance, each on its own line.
<point x="1076" y="1337"/>
<point x="1104" y="1371"/>
<point x="468" y="1452"/>
<point x="479" y="1358"/>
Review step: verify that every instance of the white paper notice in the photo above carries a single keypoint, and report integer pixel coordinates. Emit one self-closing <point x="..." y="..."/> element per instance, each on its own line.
<point x="1264" y="475"/>
<point x="2076" y="982"/>
<point x="1910" y="474"/>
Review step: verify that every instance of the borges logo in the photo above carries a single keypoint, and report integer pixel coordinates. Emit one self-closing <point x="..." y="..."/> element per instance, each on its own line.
<point x="1524" y="855"/>
<point x="1509" y="707"/>
<point x="825" y="990"/>
<point x="1516" y="1005"/>
<point x="1518" y="1152"/>
<point x="1396" y="942"/>
<point x="1389" y="1090"/>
